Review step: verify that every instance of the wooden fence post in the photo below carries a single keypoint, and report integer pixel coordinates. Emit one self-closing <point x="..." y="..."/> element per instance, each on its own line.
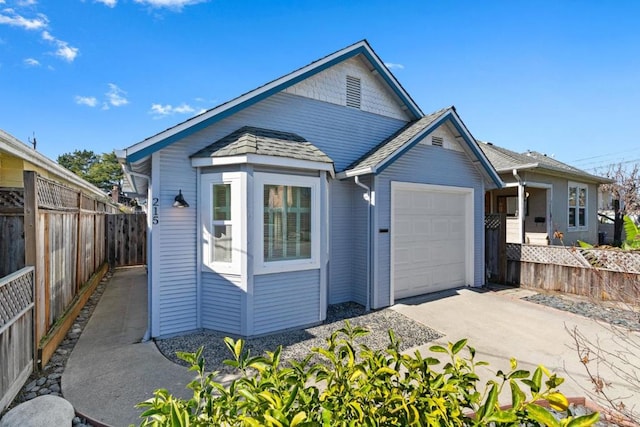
<point x="31" y="254"/>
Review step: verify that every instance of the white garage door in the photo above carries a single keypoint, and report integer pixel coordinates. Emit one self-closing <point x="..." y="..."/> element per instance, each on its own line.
<point x="431" y="238"/>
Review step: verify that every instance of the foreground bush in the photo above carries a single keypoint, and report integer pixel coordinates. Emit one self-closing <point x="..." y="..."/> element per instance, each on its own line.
<point x="352" y="385"/>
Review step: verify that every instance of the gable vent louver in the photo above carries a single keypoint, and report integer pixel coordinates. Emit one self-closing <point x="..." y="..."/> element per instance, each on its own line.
<point x="437" y="141"/>
<point x="354" y="92"/>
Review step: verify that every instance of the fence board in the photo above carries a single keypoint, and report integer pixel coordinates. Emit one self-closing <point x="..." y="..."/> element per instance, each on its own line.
<point x="495" y="226"/>
<point x="16" y="333"/>
<point x="126" y="239"/>
<point x="11" y="244"/>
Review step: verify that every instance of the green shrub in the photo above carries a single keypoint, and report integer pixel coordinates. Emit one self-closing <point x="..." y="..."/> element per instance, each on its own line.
<point x="342" y="384"/>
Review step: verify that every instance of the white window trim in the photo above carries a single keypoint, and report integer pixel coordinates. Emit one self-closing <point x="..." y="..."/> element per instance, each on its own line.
<point x="262" y="267"/>
<point x="578" y="186"/>
<point x="237" y="182"/>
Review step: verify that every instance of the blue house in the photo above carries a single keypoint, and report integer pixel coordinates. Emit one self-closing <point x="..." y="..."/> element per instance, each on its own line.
<point x="326" y="185"/>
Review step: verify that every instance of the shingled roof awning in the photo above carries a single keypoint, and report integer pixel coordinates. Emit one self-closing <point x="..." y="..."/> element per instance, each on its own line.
<point x="263" y="146"/>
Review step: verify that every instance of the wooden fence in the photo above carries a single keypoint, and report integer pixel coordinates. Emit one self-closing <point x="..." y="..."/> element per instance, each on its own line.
<point x="127" y="239"/>
<point x="495" y="240"/>
<point x="64" y="235"/>
<point x="11" y="230"/>
<point x="598" y="273"/>
<point x="16" y="333"/>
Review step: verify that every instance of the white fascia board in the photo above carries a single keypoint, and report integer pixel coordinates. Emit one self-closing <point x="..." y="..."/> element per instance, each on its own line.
<point x="354" y="172"/>
<point x="257" y="159"/>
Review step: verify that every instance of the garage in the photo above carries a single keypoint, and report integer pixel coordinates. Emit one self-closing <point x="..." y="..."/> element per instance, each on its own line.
<point x="431" y="238"/>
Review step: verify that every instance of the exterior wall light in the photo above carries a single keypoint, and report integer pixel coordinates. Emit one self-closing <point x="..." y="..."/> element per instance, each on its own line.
<point x="179" y="201"/>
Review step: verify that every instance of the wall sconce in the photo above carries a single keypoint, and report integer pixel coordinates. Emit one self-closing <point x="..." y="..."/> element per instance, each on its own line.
<point x="179" y="201"/>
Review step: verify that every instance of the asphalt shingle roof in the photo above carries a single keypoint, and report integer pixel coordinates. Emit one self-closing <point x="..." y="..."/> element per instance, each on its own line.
<point x="266" y="142"/>
<point x="503" y="159"/>
<point x="390" y="145"/>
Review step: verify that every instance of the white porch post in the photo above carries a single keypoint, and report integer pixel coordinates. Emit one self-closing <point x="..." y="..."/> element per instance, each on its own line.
<point x="521" y="196"/>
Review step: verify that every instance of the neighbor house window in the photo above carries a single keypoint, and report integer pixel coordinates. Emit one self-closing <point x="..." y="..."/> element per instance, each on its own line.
<point x="577" y="206"/>
<point x="221" y="224"/>
<point x="288" y="222"/>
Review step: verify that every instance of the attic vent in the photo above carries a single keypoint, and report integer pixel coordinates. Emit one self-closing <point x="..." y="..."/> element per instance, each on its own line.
<point x="354" y="92"/>
<point x="437" y="141"/>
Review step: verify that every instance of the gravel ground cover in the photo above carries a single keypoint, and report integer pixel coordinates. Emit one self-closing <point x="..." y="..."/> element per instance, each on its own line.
<point x="605" y="312"/>
<point x="297" y="343"/>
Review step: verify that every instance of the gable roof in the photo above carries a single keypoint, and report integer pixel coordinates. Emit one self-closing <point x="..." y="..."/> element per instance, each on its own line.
<point x="381" y="156"/>
<point x="264" y="142"/>
<point x="505" y="160"/>
<point x="143" y="149"/>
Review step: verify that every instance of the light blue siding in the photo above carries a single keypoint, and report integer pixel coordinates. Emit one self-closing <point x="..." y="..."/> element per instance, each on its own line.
<point x="427" y="165"/>
<point x="285" y="300"/>
<point x="358" y="236"/>
<point x="344" y="134"/>
<point x="175" y="271"/>
<point x="222" y="300"/>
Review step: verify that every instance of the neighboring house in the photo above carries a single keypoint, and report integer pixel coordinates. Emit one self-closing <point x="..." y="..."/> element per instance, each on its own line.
<point x="326" y="185"/>
<point x="17" y="157"/>
<point x="542" y="196"/>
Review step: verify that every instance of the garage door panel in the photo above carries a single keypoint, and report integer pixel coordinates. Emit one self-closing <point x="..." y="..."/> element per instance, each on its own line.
<point x="429" y="238"/>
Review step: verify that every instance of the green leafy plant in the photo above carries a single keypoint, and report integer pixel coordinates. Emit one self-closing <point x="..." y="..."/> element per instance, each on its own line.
<point x="346" y="384"/>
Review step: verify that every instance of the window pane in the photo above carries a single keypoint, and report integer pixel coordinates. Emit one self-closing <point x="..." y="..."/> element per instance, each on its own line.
<point x="582" y="217"/>
<point x="222" y="202"/>
<point x="582" y="199"/>
<point x="222" y="243"/>
<point x="572" y="196"/>
<point x="572" y="217"/>
<point x="287" y="222"/>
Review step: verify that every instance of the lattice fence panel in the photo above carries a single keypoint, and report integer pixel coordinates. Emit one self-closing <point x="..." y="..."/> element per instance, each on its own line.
<point x="11" y="198"/>
<point x="559" y="255"/>
<point x="52" y="195"/>
<point x="606" y="259"/>
<point x="16" y="294"/>
<point x="492" y="221"/>
<point x="613" y="259"/>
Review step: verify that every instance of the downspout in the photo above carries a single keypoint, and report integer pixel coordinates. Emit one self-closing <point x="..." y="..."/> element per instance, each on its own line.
<point x="367" y="197"/>
<point x="521" y="185"/>
<point x="127" y="170"/>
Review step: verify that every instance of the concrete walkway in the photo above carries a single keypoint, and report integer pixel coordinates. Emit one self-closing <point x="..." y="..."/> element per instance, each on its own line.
<point x="109" y="370"/>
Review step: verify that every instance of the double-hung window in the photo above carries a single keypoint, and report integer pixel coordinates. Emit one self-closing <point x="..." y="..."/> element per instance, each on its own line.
<point x="288" y="225"/>
<point x="577" y="202"/>
<point x="221" y="221"/>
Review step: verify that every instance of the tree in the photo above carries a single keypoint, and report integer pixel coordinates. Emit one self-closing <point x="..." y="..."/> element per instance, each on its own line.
<point x="102" y="170"/>
<point x="625" y="192"/>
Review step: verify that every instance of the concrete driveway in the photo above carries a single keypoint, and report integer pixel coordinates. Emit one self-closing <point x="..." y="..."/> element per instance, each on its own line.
<point x="500" y="325"/>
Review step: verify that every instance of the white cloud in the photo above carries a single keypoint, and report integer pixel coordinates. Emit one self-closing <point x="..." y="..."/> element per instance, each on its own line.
<point x="391" y="65"/>
<point x="64" y="51"/>
<point x="108" y="3"/>
<point x="169" y="4"/>
<point x="89" y="101"/>
<point x="115" y="97"/>
<point x="13" y="19"/>
<point x="31" y="62"/>
<point x="26" y="2"/>
<point x="159" y="110"/>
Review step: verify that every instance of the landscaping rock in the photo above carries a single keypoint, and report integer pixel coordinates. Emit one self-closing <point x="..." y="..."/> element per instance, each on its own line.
<point x="43" y="411"/>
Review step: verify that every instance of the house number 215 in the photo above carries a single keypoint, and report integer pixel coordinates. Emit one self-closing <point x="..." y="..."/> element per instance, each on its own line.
<point x="155" y="218"/>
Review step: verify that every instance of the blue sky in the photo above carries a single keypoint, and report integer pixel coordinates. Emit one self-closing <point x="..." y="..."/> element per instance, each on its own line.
<point x="559" y="77"/>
